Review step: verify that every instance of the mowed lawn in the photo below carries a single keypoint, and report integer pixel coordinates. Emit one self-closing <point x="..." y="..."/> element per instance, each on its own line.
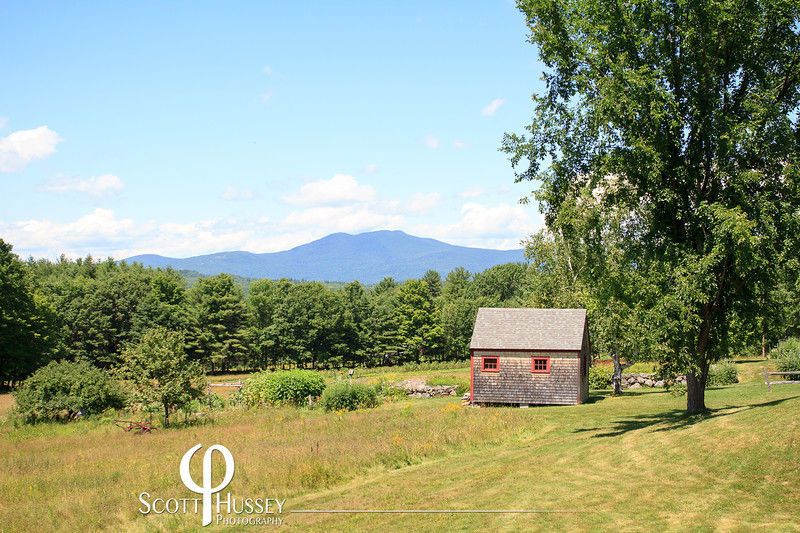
<point x="627" y="463"/>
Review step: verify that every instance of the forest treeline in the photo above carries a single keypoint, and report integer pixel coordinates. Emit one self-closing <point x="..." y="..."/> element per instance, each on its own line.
<point x="91" y="310"/>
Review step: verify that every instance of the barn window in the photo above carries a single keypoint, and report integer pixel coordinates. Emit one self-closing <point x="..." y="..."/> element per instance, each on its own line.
<point x="540" y="365"/>
<point x="490" y="364"/>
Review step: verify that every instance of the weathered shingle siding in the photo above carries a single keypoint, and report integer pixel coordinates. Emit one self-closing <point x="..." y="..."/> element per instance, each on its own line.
<point x="516" y="384"/>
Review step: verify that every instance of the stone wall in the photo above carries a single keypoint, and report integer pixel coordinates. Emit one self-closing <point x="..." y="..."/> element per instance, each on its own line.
<point x="635" y="381"/>
<point x="419" y="389"/>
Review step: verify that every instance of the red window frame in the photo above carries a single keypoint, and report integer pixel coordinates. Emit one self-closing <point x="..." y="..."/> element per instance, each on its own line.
<point x="492" y="359"/>
<point x="545" y="370"/>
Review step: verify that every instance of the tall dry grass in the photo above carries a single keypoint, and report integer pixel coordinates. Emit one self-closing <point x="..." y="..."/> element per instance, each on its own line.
<point x="88" y="474"/>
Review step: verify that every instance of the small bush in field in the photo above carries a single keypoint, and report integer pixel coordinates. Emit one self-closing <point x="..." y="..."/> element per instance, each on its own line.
<point x="600" y="377"/>
<point x="286" y="387"/>
<point x="786" y="348"/>
<point x="345" y="396"/>
<point x="723" y="373"/>
<point x="389" y="393"/>
<point x="212" y="401"/>
<point x="62" y="390"/>
<point x="787" y="355"/>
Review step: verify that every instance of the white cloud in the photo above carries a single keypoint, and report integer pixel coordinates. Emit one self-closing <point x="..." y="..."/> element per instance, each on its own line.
<point x="269" y="71"/>
<point x="95" y="233"/>
<point x="372" y="168"/>
<point x="473" y="192"/>
<point x="21" y="147"/>
<point x="103" y="234"/>
<point x="315" y="209"/>
<point x="501" y="226"/>
<point x="234" y="193"/>
<point x="343" y="204"/>
<point x="98" y="186"/>
<point x="340" y="189"/>
<point x="347" y="218"/>
<point x="432" y="142"/>
<point x="479" y="219"/>
<point x="458" y="144"/>
<point x="492" y="107"/>
<point x="3" y="122"/>
<point x="423" y="202"/>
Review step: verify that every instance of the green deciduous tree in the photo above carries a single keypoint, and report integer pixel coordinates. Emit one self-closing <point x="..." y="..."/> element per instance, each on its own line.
<point x="160" y="373"/>
<point x="677" y="122"/>
<point x="502" y="285"/>
<point x="264" y="299"/>
<point x="356" y="313"/>
<point x="418" y="325"/>
<point x="26" y="320"/>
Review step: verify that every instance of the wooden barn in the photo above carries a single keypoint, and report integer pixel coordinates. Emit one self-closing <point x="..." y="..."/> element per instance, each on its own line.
<point x="527" y="357"/>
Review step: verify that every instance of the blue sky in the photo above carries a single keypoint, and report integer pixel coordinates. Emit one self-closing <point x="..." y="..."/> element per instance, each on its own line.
<point x="188" y="128"/>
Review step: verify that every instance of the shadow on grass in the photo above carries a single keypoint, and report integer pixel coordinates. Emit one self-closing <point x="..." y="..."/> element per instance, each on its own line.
<point x="674" y="419"/>
<point x="594" y="398"/>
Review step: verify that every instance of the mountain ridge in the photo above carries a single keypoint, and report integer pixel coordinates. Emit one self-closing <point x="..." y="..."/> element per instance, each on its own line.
<point x="366" y="257"/>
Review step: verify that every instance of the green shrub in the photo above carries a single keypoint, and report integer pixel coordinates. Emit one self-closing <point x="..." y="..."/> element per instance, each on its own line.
<point x="600" y="376"/>
<point x="212" y="401"/>
<point x="641" y="367"/>
<point x="787" y="355"/>
<point x="286" y="387"/>
<point x="63" y="390"/>
<point x="787" y="348"/>
<point x="344" y="396"/>
<point x="723" y="373"/>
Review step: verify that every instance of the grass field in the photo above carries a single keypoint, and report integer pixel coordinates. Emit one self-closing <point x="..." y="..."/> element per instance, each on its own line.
<point x="625" y="463"/>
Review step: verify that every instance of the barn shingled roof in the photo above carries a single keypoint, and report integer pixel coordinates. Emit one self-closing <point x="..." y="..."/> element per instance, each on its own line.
<point x="499" y="328"/>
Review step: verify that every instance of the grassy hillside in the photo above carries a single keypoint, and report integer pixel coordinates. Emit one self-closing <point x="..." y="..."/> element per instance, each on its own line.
<point x="628" y="463"/>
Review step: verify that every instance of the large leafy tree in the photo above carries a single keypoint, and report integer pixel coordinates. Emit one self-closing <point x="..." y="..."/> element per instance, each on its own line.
<point x="676" y="122"/>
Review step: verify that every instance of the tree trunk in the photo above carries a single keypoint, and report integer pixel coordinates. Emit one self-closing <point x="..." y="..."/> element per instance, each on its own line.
<point x="166" y="415"/>
<point x="695" y="394"/>
<point x="763" y="346"/>
<point x="616" y="379"/>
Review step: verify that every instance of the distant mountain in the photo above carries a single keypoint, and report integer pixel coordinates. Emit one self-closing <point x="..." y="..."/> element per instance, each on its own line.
<point x="367" y="257"/>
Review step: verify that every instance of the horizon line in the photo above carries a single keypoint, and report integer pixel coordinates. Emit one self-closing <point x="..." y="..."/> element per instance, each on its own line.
<point x="325" y="237"/>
